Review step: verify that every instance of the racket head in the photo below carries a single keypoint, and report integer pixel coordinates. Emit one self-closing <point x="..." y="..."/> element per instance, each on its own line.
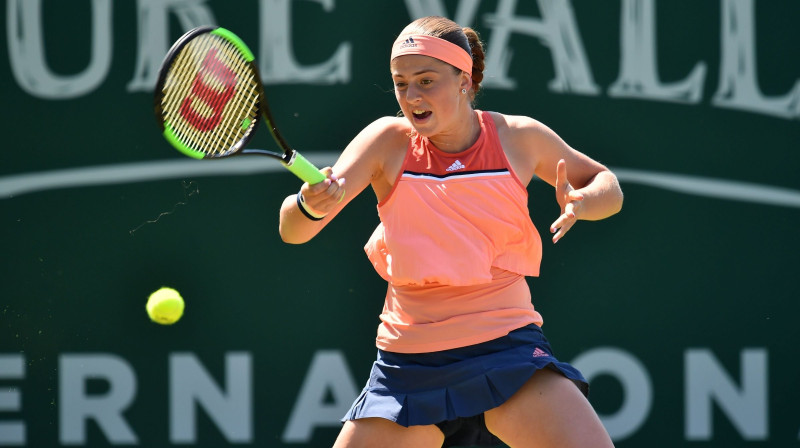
<point x="209" y="98"/>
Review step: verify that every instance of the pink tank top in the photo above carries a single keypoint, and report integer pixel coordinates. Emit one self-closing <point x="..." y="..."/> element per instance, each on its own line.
<point x="455" y="244"/>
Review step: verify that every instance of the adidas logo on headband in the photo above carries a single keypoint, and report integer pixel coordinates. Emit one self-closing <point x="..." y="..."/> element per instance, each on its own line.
<point x="408" y="43"/>
<point x="436" y="48"/>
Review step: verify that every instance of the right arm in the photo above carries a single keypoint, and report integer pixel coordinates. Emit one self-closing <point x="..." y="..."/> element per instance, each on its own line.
<point x="363" y="162"/>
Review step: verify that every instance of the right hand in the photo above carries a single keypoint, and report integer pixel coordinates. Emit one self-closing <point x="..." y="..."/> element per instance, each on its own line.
<point x="324" y="196"/>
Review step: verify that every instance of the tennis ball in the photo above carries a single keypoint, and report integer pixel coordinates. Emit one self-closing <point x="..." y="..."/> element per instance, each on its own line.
<point x="165" y="306"/>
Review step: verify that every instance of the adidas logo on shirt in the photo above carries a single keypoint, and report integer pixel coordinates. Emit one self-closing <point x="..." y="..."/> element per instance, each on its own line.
<point x="457" y="165"/>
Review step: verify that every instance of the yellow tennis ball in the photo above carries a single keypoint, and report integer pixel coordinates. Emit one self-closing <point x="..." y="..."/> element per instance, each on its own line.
<point x="165" y="306"/>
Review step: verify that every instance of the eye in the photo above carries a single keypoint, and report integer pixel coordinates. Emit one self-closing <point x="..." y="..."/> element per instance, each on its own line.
<point x="399" y="85"/>
<point x="426" y="82"/>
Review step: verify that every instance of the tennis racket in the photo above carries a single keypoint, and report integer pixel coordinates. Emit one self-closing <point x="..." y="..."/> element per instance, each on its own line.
<point x="209" y="101"/>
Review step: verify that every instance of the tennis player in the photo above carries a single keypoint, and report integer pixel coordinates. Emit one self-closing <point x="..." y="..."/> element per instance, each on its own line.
<point x="461" y="355"/>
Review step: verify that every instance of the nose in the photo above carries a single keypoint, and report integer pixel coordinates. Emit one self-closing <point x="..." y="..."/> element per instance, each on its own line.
<point x="412" y="94"/>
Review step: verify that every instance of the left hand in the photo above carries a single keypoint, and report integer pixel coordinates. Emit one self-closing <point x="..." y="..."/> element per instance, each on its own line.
<point x="570" y="201"/>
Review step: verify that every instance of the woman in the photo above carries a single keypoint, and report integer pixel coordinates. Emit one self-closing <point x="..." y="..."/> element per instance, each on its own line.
<point x="461" y="359"/>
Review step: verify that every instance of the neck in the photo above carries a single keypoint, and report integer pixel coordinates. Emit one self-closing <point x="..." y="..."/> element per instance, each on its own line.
<point x="462" y="135"/>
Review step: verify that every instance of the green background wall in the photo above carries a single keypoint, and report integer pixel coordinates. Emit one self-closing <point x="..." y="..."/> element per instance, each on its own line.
<point x="681" y="309"/>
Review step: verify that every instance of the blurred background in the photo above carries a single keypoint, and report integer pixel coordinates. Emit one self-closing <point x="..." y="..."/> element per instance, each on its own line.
<point x="680" y="310"/>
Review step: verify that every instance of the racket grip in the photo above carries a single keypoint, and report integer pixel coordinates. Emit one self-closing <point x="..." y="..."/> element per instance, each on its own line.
<point x="304" y="169"/>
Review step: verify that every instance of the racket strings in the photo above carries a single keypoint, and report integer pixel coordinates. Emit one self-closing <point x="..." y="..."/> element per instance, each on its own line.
<point x="211" y="96"/>
<point x="246" y="100"/>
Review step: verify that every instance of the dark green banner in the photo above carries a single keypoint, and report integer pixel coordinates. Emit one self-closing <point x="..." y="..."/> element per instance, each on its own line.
<point x="680" y="310"/>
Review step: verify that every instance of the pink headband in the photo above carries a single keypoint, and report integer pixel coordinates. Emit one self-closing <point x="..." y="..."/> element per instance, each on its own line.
<point x="434" y="47"/>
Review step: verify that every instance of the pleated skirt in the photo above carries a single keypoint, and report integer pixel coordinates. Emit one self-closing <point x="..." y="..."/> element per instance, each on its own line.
<point x="452" y="385"/>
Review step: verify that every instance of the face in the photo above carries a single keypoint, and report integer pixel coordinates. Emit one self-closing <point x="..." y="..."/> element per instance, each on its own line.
<point x="429" y="93"/>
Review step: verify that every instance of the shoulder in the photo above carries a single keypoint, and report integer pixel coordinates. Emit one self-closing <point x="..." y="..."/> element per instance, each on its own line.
<point x="520" y="126"/>
<point x="375" y="155"/>
<point x="519" y="133"/>
<point x="384" y="136"/>
<point x="389" y="127"/>
<point x="528" y="143"/>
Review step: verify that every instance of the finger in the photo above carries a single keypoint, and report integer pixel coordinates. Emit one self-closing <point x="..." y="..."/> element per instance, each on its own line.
<point x="562" y="225"/>
<point x="575" y="195"/>
<point x="562" y="221"/>
<point x="572" y="208"/>
<point x="341" y="186"/>
<point x="332" y="195"/>
<point x="563" y="187"/>
<point x="317" y="195"/>
<point x="315" y="189"/>
<point x="320" y="187"/>
<point x="562" y="231"/>
<point x="561" y="173"/>
<point x="569" y="213"/>
<point x="334" y="190"/>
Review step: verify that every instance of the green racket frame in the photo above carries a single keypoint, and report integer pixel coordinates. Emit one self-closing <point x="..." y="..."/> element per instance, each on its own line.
<point x="291" y="159"/>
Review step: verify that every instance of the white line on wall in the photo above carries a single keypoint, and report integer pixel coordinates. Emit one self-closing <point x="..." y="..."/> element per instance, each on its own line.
<point x="19" y="184"/>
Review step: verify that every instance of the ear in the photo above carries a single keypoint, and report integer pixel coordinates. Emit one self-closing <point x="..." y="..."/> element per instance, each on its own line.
<point x="466" y="81"/>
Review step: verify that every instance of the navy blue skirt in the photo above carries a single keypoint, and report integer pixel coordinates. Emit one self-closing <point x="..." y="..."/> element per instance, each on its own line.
<point x="452" y="388"/>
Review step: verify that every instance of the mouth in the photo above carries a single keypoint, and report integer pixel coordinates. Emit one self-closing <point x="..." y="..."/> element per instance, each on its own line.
<point x="420" y="114"/>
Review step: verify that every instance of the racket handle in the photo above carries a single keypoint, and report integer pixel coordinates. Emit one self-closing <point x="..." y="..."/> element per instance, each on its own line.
<point x="304" y="169"/>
